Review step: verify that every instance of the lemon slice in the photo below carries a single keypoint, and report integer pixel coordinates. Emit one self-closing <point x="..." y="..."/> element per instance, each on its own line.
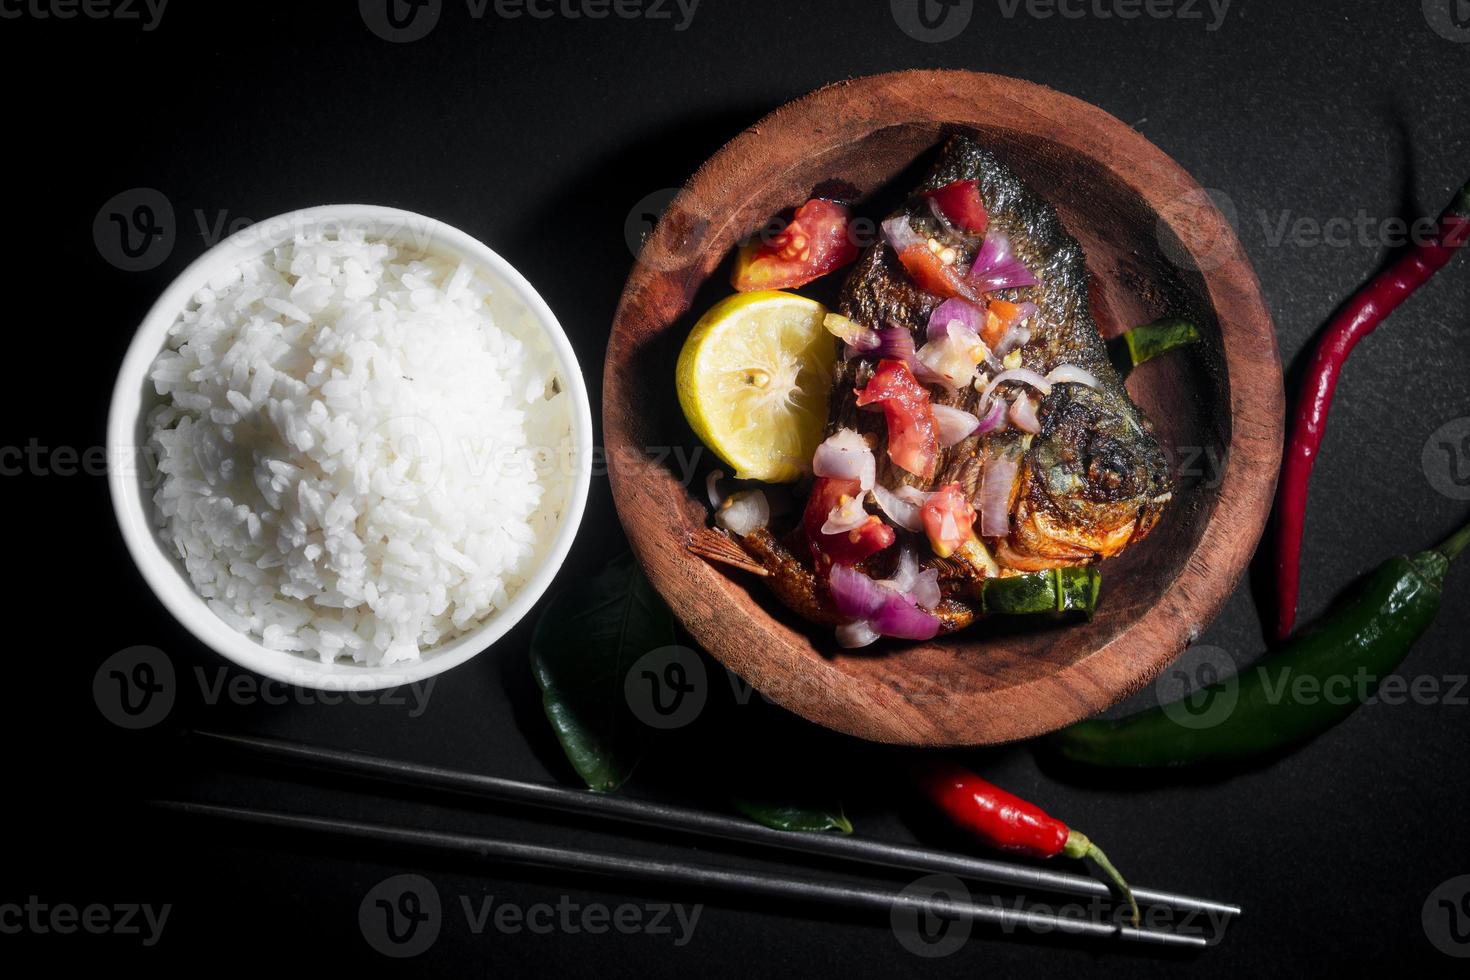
<point x="753" y="379"/>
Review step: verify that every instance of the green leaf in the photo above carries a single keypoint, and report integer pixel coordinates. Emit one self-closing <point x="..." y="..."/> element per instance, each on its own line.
<point x="804" y="819"/>
<point x="585" y="642"/>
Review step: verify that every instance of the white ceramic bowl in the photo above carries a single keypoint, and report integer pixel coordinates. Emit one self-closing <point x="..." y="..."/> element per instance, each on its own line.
<point x="511" y="296"/>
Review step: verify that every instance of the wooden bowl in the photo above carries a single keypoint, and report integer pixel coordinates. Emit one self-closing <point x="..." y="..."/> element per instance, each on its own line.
<point x="1155" y="246"/>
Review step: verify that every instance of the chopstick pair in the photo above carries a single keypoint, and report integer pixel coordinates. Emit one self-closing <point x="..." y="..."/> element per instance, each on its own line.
<point x="664" y="816"/>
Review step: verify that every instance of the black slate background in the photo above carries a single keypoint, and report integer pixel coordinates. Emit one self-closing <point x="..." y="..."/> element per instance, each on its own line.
<point x="540" y="136"/>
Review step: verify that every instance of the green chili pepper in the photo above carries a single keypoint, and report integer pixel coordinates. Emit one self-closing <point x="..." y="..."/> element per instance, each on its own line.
<point x="1316" y="680"/>
<point x="1152" y="339"/>
<point x="1055" y="590"/>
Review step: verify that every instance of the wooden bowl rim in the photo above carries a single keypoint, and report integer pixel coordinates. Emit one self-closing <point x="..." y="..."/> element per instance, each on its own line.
<point x="816" y="688"/>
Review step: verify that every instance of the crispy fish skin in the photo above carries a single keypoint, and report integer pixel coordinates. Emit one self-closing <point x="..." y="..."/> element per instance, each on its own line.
<point x="1095" y="479"/>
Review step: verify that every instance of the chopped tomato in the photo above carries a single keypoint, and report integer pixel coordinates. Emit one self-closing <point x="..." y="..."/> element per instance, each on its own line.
<point x="815" y="242"/>
<point x="847" y="548"/>
<point x="949" y="520"/>
<point x="961" y="204"/>
<point x="931" y="274"/>
<point x="999" y="316"/>
<point x="913" y="435"/>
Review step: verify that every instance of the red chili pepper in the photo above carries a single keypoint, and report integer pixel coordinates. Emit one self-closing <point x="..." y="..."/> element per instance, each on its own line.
<point x="1369" y="307"/>
<point x="1007" y="822"/>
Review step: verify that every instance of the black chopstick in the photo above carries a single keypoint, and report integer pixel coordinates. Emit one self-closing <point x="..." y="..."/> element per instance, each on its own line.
<point x="857" y="849"/>
<point x="687" y="875"/>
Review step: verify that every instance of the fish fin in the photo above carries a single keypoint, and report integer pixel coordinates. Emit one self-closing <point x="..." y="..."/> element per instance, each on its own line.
<point x="714" y="546"/>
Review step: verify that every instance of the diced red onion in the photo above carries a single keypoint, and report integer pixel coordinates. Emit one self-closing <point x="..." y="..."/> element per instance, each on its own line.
<point x="954" y="424"/>
<point x="904" y="572"/>
<point x="854" y="594"/>
<point x="846" y="456"/>
<point x="925" y="590"/>
<point x="995" y="496"/>
<point x="853" y="636"/>
<point x="1023" y="414"/>
<point x="925" y="374"/>
<point x="1015" y="336"/>
<point x="996" y="267"/>
<point x="943" y="219"/>
<point x="901" y="512"/>
<point x="886" y="612"/>
<point x="921" y="587"/>
<point x="993" y="419"/>
<point x="1017" y="332"/>
<point x="743" y="512"/>
<point x="951" y="358"/>
<point x="900" y="234"/>
<point x="1024" y="375"/>
<point x="895" y="344"/>
<point x="967" y="313"/>
<point x="902" y="619"/>
<point x="712" y="489"/>
<point x="1071" y="372"/>
<point x="845" y="517"/>
<point x="912" y="495"/>
<point x="857" y="337"/>
<point x="1027" y="310"/>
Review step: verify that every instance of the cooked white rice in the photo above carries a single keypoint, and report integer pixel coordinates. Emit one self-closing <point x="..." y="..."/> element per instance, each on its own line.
<point x="357" y="461"/>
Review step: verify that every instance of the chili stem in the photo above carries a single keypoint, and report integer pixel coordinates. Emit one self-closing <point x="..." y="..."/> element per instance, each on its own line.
<point x="1078" y="846"/>
<point x="1455" y="543"/>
